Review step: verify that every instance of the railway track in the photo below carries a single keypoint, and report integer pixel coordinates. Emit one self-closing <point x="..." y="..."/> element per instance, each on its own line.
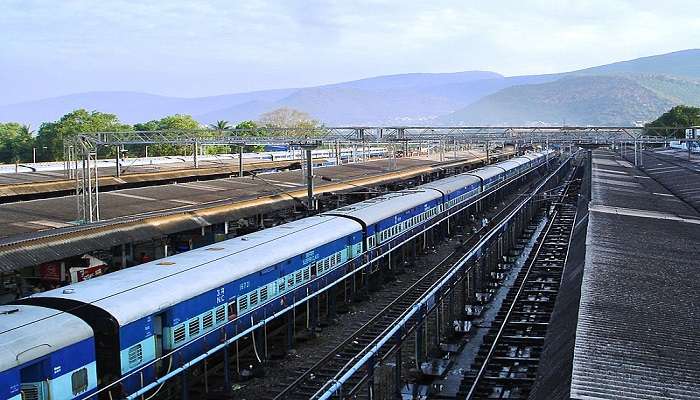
<point x="314" y="370"/>
<point x="506" y="366"/>
<point x="305" y="384"/>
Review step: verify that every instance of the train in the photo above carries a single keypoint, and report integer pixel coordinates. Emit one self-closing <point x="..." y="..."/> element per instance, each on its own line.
<point x="109" y="336"/>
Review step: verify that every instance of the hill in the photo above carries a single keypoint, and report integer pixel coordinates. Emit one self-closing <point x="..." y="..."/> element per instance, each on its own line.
<point x="573" y="100"/>
<point x="617" y="93"/>
<point x="685" y="63"/>
<point x="621" y="93"/>
<point x="372" y="100"/>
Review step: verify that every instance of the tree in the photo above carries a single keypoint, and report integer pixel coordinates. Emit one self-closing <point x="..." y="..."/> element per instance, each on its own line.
<point x="249" y="125"/>
<point x="250" y="128"/>
<point x="147" y="126"/>
<point x="177" y="122"/>
<point x="297" y="121"/>
<point x="220" y="125"/>
<point x="16" y="143"/>
<point x="52" y="134"/>
<point x="681" y="116"/>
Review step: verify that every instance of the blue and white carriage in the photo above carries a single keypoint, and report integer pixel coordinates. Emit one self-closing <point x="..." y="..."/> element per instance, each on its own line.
<point x="44" y="352"/>
<point x="61" y="344"/>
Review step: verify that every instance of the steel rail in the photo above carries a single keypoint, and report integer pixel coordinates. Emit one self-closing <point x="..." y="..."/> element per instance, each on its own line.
<point x="289" y="307"/>
<point x="398" y="299"/>
<point x="494" y="344"/>
<point x="335" y="385"/>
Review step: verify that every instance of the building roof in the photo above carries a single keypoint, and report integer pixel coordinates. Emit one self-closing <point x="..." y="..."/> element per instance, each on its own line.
<point x="637" y="332"/>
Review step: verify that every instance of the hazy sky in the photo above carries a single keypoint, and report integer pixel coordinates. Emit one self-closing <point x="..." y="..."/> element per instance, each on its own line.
<point x="191" y="48"/>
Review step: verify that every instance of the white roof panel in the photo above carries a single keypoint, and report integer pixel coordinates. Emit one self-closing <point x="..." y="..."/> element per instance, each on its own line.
<point x="139" y="291"/>
<point x="23" y="333"/>
<point x="453" y="183"/>
<point x="486" y="172"/>
<point x="379" y="208"/>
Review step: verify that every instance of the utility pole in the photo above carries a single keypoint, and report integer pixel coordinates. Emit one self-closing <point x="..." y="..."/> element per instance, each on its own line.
<point x="195" y="153"/>
<point x="118" y="159"/>
<point x="338" y="158"/>
<point x="240" y="160"/>
<point x="488" y="157"/>
<point x="310" y="201"/>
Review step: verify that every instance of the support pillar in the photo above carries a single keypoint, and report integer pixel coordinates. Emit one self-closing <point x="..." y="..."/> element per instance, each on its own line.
<point x="290" y="329"/>
<point x="227" y="373"/>
<point x="310" y="203"/>
<point x="123" y="256"/>
<point x="240" y="161"/>
<point x="488" y="156"/>
<point x="397" y="373"/>
<point x="195" y="153"/>
<point x="118" y="161"/>
<point x="338" y="157"/>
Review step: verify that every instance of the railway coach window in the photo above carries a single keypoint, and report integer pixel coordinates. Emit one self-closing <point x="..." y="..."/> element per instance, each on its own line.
<point x="194" y="327"/>
<point x="135" y="356"/>
<point x="281" y="286"/>
<point x="242" y="303"/>
<point x="79" y="381"/>
<point x="221" y="313"/>
<point x="179" y="334"/>
<point x="207" y="321"/>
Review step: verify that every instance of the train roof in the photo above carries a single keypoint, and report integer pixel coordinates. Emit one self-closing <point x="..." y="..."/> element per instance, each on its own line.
<point x="510" y="164"/>
<point x="521" y="160"/>
<point x="530" y="156"/>
<point x="453" y="183"/>
<point x="30" y="332"/>
<point x="486" y="172"/>
<point x="142" y="290"/>
<point x="385" y="206"/>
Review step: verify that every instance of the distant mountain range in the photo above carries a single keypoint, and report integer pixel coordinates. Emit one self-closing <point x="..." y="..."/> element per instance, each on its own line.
<point x="622" y="93"/>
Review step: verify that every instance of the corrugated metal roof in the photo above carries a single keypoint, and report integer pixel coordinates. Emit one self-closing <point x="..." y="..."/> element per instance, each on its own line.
<point x="637" y="334"/>
<point x="33" y="248"/>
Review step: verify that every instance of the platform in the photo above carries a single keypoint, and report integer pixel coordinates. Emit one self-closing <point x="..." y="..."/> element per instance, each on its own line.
<point x="37" y="215"/>
<point x="46" y="183"/>
<point x="637" y="331"/>
<point x="44" y="230"/>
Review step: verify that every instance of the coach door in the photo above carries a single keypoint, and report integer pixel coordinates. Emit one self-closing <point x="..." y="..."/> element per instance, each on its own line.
<point x="158" y="335"/>
<point x="34" y="381"/>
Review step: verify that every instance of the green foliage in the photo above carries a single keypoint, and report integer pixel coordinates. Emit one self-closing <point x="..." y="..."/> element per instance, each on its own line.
<point x="177" y="122"/>
<point x="220" y="125"/>
<point x="251" y="128"/>
<point x="52" y="134"/>
<point x="250" y="125"/>
<point x="147" y="126"/>
<point x="681" y="116"/>
<point x="16" y="143"/>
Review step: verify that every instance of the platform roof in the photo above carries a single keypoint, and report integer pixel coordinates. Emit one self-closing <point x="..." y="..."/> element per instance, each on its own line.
<point x="637" y="333"/>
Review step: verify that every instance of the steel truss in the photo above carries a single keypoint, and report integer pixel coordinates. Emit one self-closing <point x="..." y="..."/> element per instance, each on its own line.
<point x="86" y="181"/>
<point x="81" y="150"/>
<point x="379" y="135"/>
